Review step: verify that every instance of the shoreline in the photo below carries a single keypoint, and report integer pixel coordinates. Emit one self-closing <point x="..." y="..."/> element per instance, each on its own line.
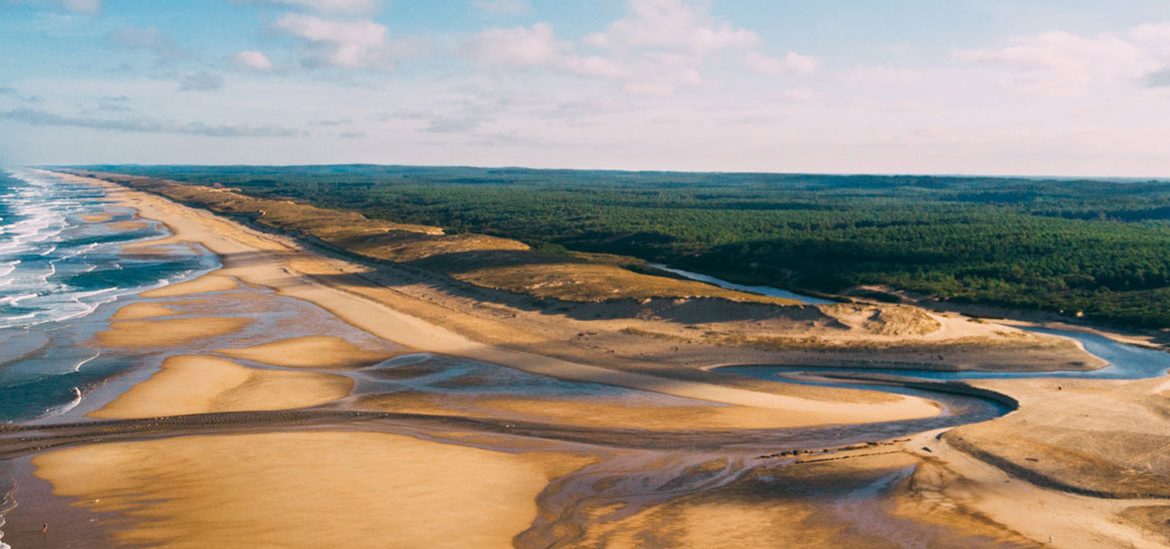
<point x="546" y="443"/>
<point x="277" y="262"/>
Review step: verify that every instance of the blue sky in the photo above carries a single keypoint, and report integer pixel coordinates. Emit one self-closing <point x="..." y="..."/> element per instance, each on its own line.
<point x="1040" y="87"/>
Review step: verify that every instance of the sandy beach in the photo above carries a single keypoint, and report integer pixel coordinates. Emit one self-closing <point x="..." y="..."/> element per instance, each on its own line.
<point x="304" y="489"/>
<point x="286" y="266"/>
<point x="197" y="384"/>
<point x="476" y="422"/>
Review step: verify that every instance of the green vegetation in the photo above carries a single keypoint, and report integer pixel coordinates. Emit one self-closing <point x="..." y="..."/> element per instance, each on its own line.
<point x="1102" y="247"/>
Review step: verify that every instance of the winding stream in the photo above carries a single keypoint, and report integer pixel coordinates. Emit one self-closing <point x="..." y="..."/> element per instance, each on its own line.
<point x="960" y="404"/>
<point x="758" y="290"/>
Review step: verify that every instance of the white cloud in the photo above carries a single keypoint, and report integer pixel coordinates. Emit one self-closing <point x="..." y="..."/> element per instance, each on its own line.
<point x="503" y="7"/>
<point x="656" y="48"/>
<point x="140" y="124"/>
<point x="327" y="6"/>
<point x="523" y="46"/>
<point x="536" y="47"/>
<point x="671" y="24"/>
<point x="1062" y="63"/>
<point x="252" y="60"/>
<point x="774" y="66"/>
<point x="346" y="44"/>
<point x="1153" y="35"/>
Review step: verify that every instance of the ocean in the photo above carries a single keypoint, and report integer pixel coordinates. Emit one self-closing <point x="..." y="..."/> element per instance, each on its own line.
<point x="61" y="259"/>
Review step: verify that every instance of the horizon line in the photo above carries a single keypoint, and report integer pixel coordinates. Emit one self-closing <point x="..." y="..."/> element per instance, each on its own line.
<point x="1161" y="179"/>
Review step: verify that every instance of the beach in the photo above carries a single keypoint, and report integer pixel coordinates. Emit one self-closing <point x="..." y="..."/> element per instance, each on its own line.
<point x="477" y="423"/>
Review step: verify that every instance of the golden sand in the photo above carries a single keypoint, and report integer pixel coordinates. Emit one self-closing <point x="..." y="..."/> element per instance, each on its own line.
<point x="276" y="262"/>
<point x="597" y="412"/>
<point x="196" y="384"/>
<point x="310" y="352"/>
<point x="167" y="332"/>
<point x="204" y="284"/>
<point x="306" y="489"/>
<point x="137" y="311"/>
<point x="97" y="218"/>
<point x="128" y="225"/>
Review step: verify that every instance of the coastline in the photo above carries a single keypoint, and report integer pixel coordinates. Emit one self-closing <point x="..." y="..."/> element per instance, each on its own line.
<point x="540" y="468"/>
<point x="283" y="265"/>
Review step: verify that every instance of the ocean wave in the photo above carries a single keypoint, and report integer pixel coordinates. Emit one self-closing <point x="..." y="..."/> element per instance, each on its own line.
<point x="63" y="409"/>
<point x="83" y="362"/>
<point x="55" y="267"/>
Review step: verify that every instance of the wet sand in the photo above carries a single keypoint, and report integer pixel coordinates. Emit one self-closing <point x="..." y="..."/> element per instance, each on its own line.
<point x="167" y="332"/>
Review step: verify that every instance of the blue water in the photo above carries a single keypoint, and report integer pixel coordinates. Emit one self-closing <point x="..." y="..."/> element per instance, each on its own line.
<point x="1125" y="362"/>
<point x="56" y="270"/>
<point x="758" y="290"/>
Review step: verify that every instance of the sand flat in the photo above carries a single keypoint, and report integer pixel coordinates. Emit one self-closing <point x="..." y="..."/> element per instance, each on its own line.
<point x="597" y="412"/>
<point x="97" y="218"/>
<point x="167" y="332"/>
<point x="310" y="352"/>
<point x="307" y="489"/>
<point x="197" y="384"/>
<point x="202" y="285"/>
<point x="138" y="311"/>
<point x="129" y="225"/>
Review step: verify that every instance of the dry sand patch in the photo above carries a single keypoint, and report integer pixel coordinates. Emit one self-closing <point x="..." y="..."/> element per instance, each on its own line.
<point x="310" y="352"/>
<point x="195" y="384"/>
<point x="202" y="285"/>
<point x="137" y="311"/>
<point x="167" y="332"/>
<point x="602" y="412"/>
<point x="129" y="225"/>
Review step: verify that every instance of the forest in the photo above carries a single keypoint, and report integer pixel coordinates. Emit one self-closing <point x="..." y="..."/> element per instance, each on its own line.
<point x="1100" y="247"/>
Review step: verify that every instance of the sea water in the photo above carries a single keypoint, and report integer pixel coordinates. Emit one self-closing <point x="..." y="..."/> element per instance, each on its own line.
<point x="56" y="272"/>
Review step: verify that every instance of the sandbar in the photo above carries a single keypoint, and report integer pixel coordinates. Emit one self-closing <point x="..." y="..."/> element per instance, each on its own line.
<point x="310" y="352"/>
<point x="97" y="218"/>
<point x="129" y="225"/>
<point x="137" y="311"/>
<point x="598" y="412"/>
<point x="167" y="332"/>
<point x="202" y="285"/>
<point x="198" y="384"/>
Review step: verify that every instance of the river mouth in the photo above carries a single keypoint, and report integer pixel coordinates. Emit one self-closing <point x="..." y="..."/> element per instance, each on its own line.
<point x="961" y="403"/>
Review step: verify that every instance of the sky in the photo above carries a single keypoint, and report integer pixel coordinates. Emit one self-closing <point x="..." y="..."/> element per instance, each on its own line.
<point x="990" y="87"/>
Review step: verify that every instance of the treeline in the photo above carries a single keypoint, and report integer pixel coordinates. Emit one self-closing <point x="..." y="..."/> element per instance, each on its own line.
<point x="1101" y="247"/>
